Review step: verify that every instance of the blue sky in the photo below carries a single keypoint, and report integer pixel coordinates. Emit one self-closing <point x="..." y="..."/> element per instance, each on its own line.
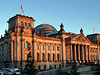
<point x="74" y="14"/>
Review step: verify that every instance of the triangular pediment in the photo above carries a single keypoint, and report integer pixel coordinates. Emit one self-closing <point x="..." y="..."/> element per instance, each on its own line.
<point x="81" y="38"/>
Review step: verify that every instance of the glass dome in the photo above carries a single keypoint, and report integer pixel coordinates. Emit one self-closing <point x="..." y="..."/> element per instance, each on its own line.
<point x="44" y="29"/>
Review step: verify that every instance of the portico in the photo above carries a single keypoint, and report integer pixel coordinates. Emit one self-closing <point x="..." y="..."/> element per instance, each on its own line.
<point x="78" y="48"/>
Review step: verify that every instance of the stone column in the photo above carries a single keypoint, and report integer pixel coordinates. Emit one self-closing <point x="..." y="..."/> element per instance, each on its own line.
<point x="79" y="53"/>
<point x="40" y="56"/>
<point x="71" y="53"/>
<point x="55" y="52"/>
<point x="6" y="45"/>
<point x="75" y="52"/>
<point x="46" y="55"/>
<point x="89" y="57"/>
<point x="51" y="54"/>
<point x="67" y="53"/>
<point x="86" y="53"/>
<point x="83" y="53"/>
<point x="11" y="50"/>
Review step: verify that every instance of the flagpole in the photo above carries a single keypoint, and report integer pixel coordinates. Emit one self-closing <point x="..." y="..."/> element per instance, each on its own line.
<point x="93" y="28"/>
<point x="20" y="9"/>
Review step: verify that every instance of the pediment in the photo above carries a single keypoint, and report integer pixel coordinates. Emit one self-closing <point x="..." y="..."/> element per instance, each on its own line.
<point x="80" y="38"/>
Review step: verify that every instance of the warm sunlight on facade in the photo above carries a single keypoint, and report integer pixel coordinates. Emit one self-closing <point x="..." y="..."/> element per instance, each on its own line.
<point x="49" y="47"/>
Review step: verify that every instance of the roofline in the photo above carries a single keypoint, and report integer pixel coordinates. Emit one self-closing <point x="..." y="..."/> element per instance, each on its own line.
<point x="93" y="34"/>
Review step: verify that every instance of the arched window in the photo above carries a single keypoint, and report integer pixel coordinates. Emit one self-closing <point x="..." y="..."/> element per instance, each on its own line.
<point x="58" y="48"/>
<point x="37" y="56"/>
<point x="29" y="24"/>
<point x="43" y="57"/>
<point x="42" y="47"/>
<point x="53" y="47"/>
<point x="48" y="47"/>
<point x="37" y="47"/>
<point x="25" y="24"/>
<point x="57" y="57"/>
<point x="21" y="23"/>
<point x="27" y="45"/>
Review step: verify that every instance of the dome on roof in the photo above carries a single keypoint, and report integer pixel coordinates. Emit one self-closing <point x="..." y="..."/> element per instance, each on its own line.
<point x="44" y="29"/>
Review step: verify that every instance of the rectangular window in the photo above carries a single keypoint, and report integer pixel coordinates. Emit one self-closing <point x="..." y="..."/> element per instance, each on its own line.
<point x="37" y="56"/>
<point x="2" y="55"/>
<point x="48" y="47"/>
<point x="42" y="47"/>
<point x="37" y="46"/>
<point x="90" y="51"/>
<point x="58" y="48"/>
<point x="2" y="48"/>
<point x="26" y="45"/>
<point x="43" y="56"/>
<point x="53" y="48"/>
<point x="53" y="57"/>
<point x="48" y="57"/>
<point x="57" y="57"/>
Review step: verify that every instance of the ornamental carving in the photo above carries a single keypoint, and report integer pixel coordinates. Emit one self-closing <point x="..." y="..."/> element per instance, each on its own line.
<point x="80" y="38"/>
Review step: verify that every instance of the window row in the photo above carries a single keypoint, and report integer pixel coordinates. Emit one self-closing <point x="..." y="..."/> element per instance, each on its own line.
<point x="26" y="24"/>
<point x="1" y="54"/>
<point x="94" y="57"/>
<point x="2" y="48"/>
<point x="48" y="57"/>
<point x="93" y="51"/>
<point x="48" y="47"/>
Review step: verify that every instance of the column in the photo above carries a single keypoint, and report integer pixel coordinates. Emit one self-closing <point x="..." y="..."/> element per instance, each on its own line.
<point x="71" y="53"/>
<point x="55" y="52"/>
<point x="75" y="52"/>
<point x="6" y="45"/>
<point x="89" y="57"/>
<point x="79" y="53"/>
<point x="86" y="53"/>
<point x="83" y="53"/>
<point x="46" y="54"/>
<point x="40" y="56"/>
<point x="11" y="50"/>
<point x="67" y="54"/>
<point x="51" y="54"/>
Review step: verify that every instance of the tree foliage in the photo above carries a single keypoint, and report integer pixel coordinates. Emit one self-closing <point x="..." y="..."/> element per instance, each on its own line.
<point x="74" y="70"/>
<point x="59" y="71"/>
<point x="30" y="67"/>
<point x="98" y="71"/>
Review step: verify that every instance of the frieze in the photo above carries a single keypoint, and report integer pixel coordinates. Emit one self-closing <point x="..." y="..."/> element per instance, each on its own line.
<point x="81" y="39"/>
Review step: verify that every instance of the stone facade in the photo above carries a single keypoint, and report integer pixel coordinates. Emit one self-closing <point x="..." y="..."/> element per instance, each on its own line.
<point x="49" y="47"/>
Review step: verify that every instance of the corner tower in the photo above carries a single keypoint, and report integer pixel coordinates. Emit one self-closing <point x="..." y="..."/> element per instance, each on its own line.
<point x="20" y="31"/>
<point x="20" y="20"/>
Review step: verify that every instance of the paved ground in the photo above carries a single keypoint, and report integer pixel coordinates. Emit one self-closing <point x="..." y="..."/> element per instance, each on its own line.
<point x="66" y="71"/>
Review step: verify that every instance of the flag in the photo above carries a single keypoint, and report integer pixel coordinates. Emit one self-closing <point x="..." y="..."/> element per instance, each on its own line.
<point x="22" y="9"/>
<point x="93" y="29"/>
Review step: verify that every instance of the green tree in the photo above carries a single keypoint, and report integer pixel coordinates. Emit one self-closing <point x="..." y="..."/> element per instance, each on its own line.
<point x="59" y="71"/>
<point x="98" y="71"/>
<point x="30" y="67"/>
<point x="74" y="70"/>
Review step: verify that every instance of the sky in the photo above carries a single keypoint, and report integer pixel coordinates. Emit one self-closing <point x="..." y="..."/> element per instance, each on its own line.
<point x="74" y="14"/>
